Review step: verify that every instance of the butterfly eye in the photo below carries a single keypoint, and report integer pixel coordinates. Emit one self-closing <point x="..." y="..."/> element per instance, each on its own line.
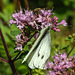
<point x="42" y="57"/>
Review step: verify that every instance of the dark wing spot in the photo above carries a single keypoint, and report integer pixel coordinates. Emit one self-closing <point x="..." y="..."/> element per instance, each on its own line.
<point x="42" y="57"/>
<point x="38" y="54"/>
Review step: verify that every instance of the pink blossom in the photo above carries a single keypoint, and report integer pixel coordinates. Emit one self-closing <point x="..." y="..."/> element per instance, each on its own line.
<point x="49" y="65"/>
<point x="56" y="29"/>
<point x="62" y="23"/>
<point x="19" y="47"/>
<point x="40" y="19"/>
<point x="11" y="21"/>
<point x="37" y="21"/>
<point x="18" y="37"/>
<point x="63" y="56"/>
<point x="60" y="64"/>
<point x="51" y="73"/>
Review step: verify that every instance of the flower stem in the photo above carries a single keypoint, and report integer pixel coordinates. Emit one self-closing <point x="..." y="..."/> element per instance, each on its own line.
<point x="16" y="56"/>
<point x="30" y="71"/>
<point x="70" y="51"/>
<point x="31" y="37"/>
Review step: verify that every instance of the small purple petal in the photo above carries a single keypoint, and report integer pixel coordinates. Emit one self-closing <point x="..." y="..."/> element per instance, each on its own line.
<point x="39" y="19"/>
<point x="63" y="22"/>
<point x="31" y="23"/>
<point x="37" y="27"/>
<point x="51" y="73"/>
<point x="70" y="58"/>
<point x="11" y="21"/>
<point x="63" y="56"/>
<point x="49" y="65"/>
<point x="56" y="29"/>
<point x="19" y="47"/>
<point x="20" y="27"/>
<point x="18" y="37"/>
<point x="55" y="18"/>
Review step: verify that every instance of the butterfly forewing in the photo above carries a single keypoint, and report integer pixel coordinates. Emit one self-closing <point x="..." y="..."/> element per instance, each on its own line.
<point x="40" y="51"/>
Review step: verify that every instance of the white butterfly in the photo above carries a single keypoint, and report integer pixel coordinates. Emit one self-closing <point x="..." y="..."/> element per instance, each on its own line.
<point x="40" y="51"/>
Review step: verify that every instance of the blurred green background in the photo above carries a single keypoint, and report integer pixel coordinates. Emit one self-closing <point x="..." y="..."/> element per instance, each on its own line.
<point x="63" y="40"/>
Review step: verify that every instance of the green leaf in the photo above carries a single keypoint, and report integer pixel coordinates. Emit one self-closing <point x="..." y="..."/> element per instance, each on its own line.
<point x="39" y="72"/>
<point x="73" y="34"/>
<point x="67" y="39"/>
<point x="72" y="40"/>
<point x="25" y="48"/>
<point x="65" y="47"/>
<point x="12" y="51"/>
<point x="70" y="36"/>
<point x="23" y="69"/>
<point x="15" y="32"/>
<point x="29" y="43"/>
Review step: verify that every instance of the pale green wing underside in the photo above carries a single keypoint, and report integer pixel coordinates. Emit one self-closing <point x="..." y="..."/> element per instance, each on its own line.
<point x="40" y="51"/>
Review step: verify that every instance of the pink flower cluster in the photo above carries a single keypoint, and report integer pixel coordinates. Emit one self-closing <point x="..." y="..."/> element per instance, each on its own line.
<point x="21" y="39"/>
<point x="61" y="64"/>
<point x="37" y="20"/>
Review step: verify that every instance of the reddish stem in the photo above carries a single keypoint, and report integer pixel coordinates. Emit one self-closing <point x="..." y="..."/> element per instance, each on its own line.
<point x="3" y="60"/>
<point x="11" y="63"/>
<point x="30" y="71"/>
<point x="9" y="58"/>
